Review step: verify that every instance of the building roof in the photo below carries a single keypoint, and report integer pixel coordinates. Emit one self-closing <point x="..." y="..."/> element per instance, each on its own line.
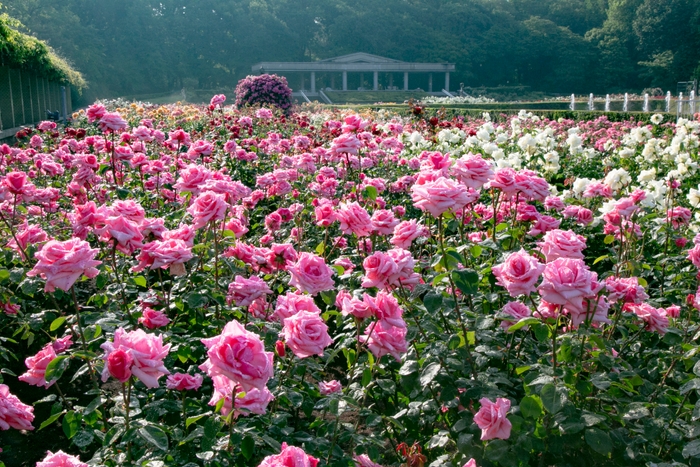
<point x="355" y="62"/>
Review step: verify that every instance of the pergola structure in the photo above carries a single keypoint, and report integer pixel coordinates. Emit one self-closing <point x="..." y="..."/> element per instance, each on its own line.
<point x="358" y="63"/>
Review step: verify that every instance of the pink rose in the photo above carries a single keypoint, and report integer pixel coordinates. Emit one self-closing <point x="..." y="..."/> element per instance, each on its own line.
<point x="656" y="319"/>
<point x="111" y="122"/>
<point x="385" y="307"/>
<point x="562" y="244"/>
<point x="566" y="281"/>
<point x="146" y="351"/>
<point x="119" y="364"/>
<point x="382" y="338"/>
<point x="208" y="207"/>
<point x="491" y="418"/>
<point x="306" y="334"/>
<point x="626" y="289"/>
<point x="169" y="254"/>
<point x="470" y="463"/>
<point x="518" y="311"/>
<point x="244" y="291"/>
<point x="153" y="319"/>
<point x="184" y="382"/>
<point x="363" y="460"/>
<point x="62" y="263"/>
<point x="384" y="221"/>
<point x="347" y="143"/>
<point x="519" y="273"/>
<point x="407" y="231"/>
<point x="217" y="100"/>
<point x="472" y="171"/>
<point x="60" y="459"/>
<point x="15" y="181"/>
<point x="395" y="267"/>
<point x="290" y="456"/>
<point x="238" y="355"/>
<point x="354" y="219"/>
<point x="330" y="387"/>
<point x="292" y="303"/>
<point x="439" y="196"/>
<point x="36" y="367"/>
<point x="126" y="234"/>
<point x="95" y="112"/>
<point x="311" y="274"/>
<point x="13" y="413"/>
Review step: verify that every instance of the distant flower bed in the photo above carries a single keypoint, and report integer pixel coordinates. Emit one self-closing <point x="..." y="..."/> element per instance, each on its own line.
<point x="200" y="285"/>
<point x="456" y="100"/>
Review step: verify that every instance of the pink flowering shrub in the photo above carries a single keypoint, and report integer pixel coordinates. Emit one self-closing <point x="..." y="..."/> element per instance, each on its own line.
<point x="211" y="285"/>
<point x="264" y="90"/>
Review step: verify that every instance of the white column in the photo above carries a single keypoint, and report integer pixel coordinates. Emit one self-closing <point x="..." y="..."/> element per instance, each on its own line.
<point x="345" y="81"/>
<point x="430" y="82"/>
<point x="313" y="81"/>
<point x="447" y="81"/>
<point x="375" y="84"/>
<point x="405" y="81"/>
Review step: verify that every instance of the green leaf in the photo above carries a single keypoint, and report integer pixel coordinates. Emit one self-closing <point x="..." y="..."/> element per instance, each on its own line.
<point x="140" y="281"/>
<point x="50" y="420"/>
<point x="601" y="258"/>
<point x="370" y="192"/>
<point x="55" y="324"/>
<point x="466" y="280"/>
<point x="211" y="429"/>
<point x="320" y="248"/>
<point x="599" y="441"/>
<point x="55" y="368"/>
<point x="83" y="439"/>
<point x="155" y="436"/>
<point x="692" y="449"/>
<point x="408" y="368"/>
<point x="551" y="398"/>
<point x="366" y="377"/>
<point x="531" y="407"/>
<point x="429" y="373"/>
<point x="432" y="301"/>
<point x="522" y="323"/>
<point x="96" y="402"/>
<point x="71" y="423"/>
<point x="690" y="385"/>
<point x="609" y="239"/>
<point x="191" y="420"/>
<point x="4" y="274"/>
<point x="248" y="446"/>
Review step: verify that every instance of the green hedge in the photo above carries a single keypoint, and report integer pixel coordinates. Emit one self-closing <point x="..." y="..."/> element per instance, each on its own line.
<point x="18" y="50"/>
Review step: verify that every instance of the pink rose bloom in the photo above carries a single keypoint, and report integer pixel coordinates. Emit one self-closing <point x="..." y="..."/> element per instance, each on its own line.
<point x="407" y="231"/>
<point x="306" y="334"/>
<point x="208" y="207"/>
<point x="184" y="382"/>
<point x="504" y="180"/>
<point x="238" y="355"/>
<point x="292" y="303"/>
<point x="330" y="387"/>
<point x="354" y="219"/>
<point x="673" y="311"/>
<point x="119" y="364"/>
<point x="126" y="234"/>
<point x="62" y="263"/>
<point x="111" y="122"/>
<point x="146" y="350"/>
<point x="518" y="311"/>
<point x="472" y="171"/>
<point x="153" y="319"/>
<point x="255" y="401"/>
<point x="386" y="308"/>
<point x="626" y="289"/>
<point x="440" y="196"/>
<point x="13" y="413"/>
<point x="519" y="273"/>
<point x="491" y="418"/>
<point x="168" y="254"/>
<point x="382" y="338"/>
<point x="656" y="319"/>
<point x="29" y="235"/>
<point x="544" y="224"/>
<point x="694" y="255"/>
<point x="244" y="291"/>
<point x="395" y="267"/>
<point x="363" y="460"/>
<point x="470" y="463"/>
<point x="311" y="274"/>
<point x="217" y="100"/>
<point x="62" y="344"/>
<point x="350" y="305"/>
<point x="347" y="143"/>
<point x="324" y="213"/>
<point x="36" y="367"/>
<point x="281" y="256"/>
<point x="384" y="221"/>
<point x="566" y="281"/>
<point x="594" y="310"/>
<point x="95" y="112"/>
<point x="15" y="182"/>
<point x="290" y="456"/>
<point x="60" y="459"/>
<point x="562" y="244"/>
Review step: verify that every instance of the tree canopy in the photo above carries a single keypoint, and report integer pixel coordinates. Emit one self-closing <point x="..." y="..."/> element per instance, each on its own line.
<point x="134" y="47"/>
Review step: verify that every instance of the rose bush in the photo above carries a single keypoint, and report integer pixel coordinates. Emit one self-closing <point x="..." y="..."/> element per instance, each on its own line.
<point x="333" y="288"/>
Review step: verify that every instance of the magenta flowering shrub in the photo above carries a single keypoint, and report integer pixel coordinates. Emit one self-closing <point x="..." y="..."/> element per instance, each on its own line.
<point x="187" y="286"/>
<point x="264" y="90"/>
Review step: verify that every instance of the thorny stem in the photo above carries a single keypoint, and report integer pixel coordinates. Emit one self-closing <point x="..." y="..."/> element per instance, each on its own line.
<point x="82" y="336"/>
